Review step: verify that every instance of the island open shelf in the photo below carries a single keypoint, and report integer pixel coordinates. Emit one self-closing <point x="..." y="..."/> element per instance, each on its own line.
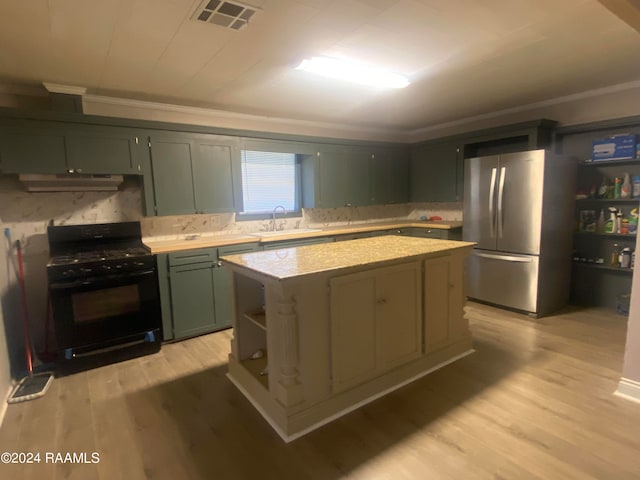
<point x="343" y="324"/>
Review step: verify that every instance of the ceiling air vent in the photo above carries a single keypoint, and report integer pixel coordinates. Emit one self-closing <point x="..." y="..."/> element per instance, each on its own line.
<point x="231" y="15"/>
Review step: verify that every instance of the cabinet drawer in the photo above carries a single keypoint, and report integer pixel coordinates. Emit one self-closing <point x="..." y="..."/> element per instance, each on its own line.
<point x="237" y="249"/>
<point x="296" y="243"/>
<point x="187" y="257"/>
<point x="429" y="233"/>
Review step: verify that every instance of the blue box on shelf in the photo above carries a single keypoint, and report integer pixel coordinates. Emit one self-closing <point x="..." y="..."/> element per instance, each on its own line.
<point x="615" y="147"/>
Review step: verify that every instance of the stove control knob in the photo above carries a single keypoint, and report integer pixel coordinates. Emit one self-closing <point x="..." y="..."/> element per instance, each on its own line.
<point x="105" y="267"/>
<point x="85" y="270"/>
<point x="68" y="273"/>
<point x="138" y="264"/>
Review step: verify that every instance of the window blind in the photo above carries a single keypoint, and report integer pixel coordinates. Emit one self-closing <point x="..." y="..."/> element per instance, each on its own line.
<point x="268" y="180"/>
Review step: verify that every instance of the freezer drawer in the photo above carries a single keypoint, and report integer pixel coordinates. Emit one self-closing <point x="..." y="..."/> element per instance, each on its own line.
<point x="504" y="279"/>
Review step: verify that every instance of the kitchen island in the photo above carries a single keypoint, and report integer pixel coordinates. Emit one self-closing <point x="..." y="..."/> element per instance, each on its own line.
<point x="322" y="329"/>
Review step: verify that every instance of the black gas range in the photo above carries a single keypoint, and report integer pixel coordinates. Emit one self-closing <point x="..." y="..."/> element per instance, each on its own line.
<point x="103" y="287"/>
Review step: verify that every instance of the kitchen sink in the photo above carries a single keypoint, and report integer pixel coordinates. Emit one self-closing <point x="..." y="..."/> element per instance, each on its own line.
<point x="279" y="233"/>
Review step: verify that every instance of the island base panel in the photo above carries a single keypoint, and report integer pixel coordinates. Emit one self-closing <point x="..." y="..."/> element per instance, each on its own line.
<point x="293" y="423"/>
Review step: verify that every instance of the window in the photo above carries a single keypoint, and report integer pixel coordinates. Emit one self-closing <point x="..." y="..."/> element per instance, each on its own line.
<point x="269" y="179"/>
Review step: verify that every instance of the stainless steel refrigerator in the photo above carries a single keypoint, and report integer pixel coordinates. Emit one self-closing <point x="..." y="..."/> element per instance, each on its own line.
<point x="520" y="209"/>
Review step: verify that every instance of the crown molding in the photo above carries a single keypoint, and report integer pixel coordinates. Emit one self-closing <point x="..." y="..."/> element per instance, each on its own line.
<point x="100" y="105"/>
<point x="66" y="89"/>
<point x="221" y="118"/>
<point x="420" y="133"/>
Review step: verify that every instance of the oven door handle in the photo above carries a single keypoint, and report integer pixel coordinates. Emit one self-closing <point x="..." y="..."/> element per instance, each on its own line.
<point x="107" y="279"/>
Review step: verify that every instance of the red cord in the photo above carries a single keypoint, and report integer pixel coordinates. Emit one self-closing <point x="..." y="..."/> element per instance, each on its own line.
<point x="25" y="313"/>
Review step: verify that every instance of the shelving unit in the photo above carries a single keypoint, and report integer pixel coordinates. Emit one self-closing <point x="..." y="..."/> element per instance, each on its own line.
<point x="608" y="201"/>
<point x="258" y="317"/>
<point x="255" y="367"/>
<point x="591" y="283"/>
<point x="612" y="163"/>
<point x="619" y="236"/>
<point x="600" y="266"/>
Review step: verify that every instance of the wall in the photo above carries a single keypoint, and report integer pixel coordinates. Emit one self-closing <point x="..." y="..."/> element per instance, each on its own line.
<point x="5" y="372"/>
<point x="630" y="382"/>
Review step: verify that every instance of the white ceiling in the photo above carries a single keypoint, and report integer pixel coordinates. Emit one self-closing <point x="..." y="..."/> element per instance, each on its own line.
<point x="464" y="57"/>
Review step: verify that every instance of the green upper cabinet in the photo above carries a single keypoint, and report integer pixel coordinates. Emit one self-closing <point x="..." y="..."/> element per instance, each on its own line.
<point x="212" y="176"/>
<point x="33" y="149"/>
<point x="437" y="172"/>
<point x="55" y="147"/>
<point x="390" y="175"/>
<point x="193" y="173"/>
<point x="107" y="150"/>
<point x="337" y="176"/>
<point x="172" y="175"/>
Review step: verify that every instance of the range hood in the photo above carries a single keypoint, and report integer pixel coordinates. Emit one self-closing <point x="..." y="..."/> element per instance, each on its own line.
<point x="70" y="182"/>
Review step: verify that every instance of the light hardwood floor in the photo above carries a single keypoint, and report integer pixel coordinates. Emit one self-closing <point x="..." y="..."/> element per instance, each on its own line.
<point x="533" y="402"/>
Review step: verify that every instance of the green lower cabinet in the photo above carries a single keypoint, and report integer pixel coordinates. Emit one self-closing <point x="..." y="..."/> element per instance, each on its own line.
<point x="195" y="290"/>
<point x="192" y="299"/>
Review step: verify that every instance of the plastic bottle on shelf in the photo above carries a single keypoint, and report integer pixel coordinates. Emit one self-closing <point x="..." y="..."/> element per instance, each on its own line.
<point x="610" y="225"/>
<point x="619" y="221"/>
<point x="600" y="223"/>
<point x="615" y="256"/>
<point x="625" y="188"/>
<point x="636" y="187"/>
<point x="604" y="188"/>
<point x="625" y="258"/>
<point x="633" y="221"/>
<point x="617" y="187"/>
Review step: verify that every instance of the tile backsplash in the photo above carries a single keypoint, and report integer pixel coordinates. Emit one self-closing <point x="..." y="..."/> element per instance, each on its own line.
<point x="27" y="214"/>
<point x="176" y="227"/>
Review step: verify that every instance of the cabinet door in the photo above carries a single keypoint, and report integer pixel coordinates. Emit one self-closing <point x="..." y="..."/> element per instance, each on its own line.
<point x="434" y="173"/>
<point x="222" y="282"/>
<point x="353" y="329"/>
<point x="212" y="177"/>
<point x="332" y="181"/>
<point x="358" y="165"/>
<point x="33" y="150"/>
<point x="344" y="177"/>
<point x="192" y="299"/>
<point x="172" y="177"/>
<point x="376" y="322"/>
<point x="104" y="150"/>
<point x="389" y="176"/>
<point x="398" y="315"/>
<point x="444" y="321"/>
<point x="165" y="296"/>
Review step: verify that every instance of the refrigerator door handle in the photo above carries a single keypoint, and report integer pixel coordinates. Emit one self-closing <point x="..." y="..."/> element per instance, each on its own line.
<point x="506" y="258"/>
<point x="492" y="189"/>
<point x="503" y="173"/>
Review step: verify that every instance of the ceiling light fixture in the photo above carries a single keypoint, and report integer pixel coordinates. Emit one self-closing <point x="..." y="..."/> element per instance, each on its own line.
<point x="353" y="72"/>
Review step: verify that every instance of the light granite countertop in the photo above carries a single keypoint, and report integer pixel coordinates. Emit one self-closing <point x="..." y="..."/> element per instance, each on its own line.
<point x="294" y="262"/>
<point x="205" y="241"/>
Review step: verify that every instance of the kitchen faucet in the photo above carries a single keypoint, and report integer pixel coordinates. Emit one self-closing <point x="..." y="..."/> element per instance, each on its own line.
<point x="273" y="219"/>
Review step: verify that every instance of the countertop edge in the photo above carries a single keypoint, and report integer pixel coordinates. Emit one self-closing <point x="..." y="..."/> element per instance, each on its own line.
<point x="169" y="246"/>
<point x="375" y="263"/>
